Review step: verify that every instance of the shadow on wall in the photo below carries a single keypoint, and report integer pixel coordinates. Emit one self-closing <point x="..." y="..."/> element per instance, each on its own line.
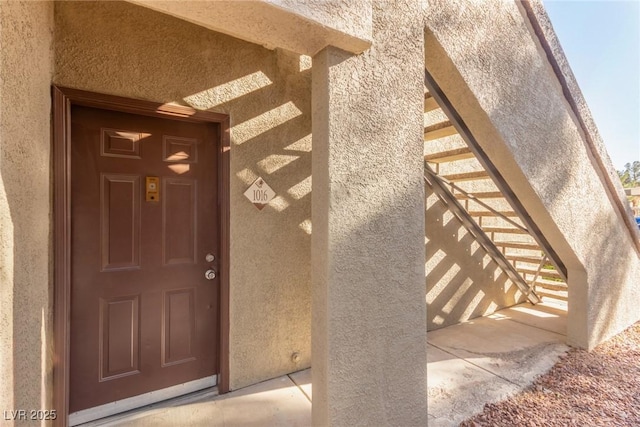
<point x="128" y="50"/>
<point x="545" y="159"/>
<point x="462" y="281"/>
<point x="548" y="144"/>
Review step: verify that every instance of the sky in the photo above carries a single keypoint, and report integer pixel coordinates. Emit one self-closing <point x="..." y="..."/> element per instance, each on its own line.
<point x="601" y="39"/>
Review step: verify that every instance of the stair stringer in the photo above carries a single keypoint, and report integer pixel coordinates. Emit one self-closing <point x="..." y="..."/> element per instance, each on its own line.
<point x="463" y="279"/>
<point x="509" y="98"/>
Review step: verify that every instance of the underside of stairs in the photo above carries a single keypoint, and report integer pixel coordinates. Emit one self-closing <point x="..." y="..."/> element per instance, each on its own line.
<point x="463" y="178"/>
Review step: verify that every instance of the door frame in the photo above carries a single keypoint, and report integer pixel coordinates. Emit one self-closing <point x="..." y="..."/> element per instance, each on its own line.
<point x="63" y="98"/>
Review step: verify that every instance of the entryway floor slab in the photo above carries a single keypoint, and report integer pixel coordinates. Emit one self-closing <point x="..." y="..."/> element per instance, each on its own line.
<point x="468" y="365"/>
<point x="277" y="402"/>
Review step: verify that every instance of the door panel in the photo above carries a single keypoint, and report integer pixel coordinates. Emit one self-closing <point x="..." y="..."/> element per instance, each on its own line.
<point x="179" y="221"/>
<point x="143" y="315"/>
<point x="119" y="337"/>
<point x="120" y="224"/>
<point x="178" y="331"/>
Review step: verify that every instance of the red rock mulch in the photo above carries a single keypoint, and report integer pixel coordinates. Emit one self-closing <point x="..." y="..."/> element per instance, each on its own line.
<point x="600" y="388"/>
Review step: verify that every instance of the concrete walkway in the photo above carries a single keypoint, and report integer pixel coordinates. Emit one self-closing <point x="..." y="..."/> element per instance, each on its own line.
<point x="488" y="359"/>
<point x="470" y="364"/>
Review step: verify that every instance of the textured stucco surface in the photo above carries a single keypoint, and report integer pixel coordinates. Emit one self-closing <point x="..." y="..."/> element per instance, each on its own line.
<point x="503" y="87"/>
<point x="369" y="325"/>
<point x="304" y="27"/>
<point x="127" y="50"/>
<point x="462" y="281"/>
<point x="25" y="222"/>
<point x="351" y="17"/>
<point x="583" y="112"/>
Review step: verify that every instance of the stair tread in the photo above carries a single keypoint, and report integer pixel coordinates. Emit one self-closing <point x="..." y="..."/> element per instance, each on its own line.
<point x="466" y="176"/>
<point x="549" y="285"/>
<point x="481" y="195"/>
<point x="522" y="258"/>
<point x="430" y="103"/>
<point x="518" y="245"/>
<point x="450" y="155"/>
<point x="489" y="213"/>
<point x="559" y="295"/>
<point x="439" y="130"/>
<point x="543" y="272"/>
<point x="504" y="230"/>
<point x="440" y="125"/>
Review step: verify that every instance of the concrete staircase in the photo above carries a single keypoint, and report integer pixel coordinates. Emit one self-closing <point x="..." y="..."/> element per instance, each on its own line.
<point x="455" y="167"/>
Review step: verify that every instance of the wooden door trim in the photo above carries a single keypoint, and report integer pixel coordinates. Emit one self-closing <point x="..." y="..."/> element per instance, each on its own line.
<point x="63" y="98"/>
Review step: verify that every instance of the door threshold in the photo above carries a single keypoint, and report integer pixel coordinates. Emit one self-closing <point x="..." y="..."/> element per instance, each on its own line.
<point x="138" y="406"/>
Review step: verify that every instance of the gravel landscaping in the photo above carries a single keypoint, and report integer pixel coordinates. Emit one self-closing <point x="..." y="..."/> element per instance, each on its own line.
<point x="600" y="388"/>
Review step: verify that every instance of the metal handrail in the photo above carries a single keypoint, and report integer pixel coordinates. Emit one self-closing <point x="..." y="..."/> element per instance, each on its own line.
<point x="495" y="175"/>
<point x="481" y="237"/>
<point x="543" y="261"/>
<point x="473" y="198"/>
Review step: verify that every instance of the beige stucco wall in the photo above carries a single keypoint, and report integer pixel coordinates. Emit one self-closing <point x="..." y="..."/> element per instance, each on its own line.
<point x="302" y="26"/>
<point x="503" y="87"/>
<point x="127" y="50"/>
<point x="369" y="333"/>
<point x="462" y="280"/>
<point x="25" y="198"/>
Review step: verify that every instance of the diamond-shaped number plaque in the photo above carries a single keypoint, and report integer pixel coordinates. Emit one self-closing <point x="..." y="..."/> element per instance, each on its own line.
<point x="259" y="193"/>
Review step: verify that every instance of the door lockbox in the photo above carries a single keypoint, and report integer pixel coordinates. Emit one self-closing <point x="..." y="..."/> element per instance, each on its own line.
<point x="153" y="189"/>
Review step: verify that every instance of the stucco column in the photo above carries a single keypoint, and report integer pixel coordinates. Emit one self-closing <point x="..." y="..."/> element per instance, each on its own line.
<point x="369" y="313"/>
<point x="26" y="66"/>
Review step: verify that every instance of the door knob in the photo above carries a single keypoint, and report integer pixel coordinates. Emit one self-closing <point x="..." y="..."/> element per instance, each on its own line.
<point x="210" y="274"/>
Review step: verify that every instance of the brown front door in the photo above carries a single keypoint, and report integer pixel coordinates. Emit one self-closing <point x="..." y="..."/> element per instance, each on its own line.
<point x="143" y="315"/>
